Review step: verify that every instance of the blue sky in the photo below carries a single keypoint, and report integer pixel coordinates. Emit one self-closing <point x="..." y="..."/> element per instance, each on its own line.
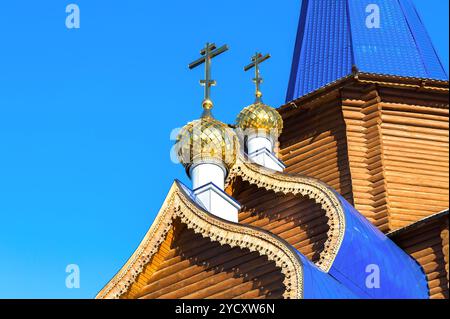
<point x="86" y="117"/>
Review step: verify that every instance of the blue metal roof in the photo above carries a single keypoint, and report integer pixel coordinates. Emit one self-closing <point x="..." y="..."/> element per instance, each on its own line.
<point x="318" y="284"/>
<point x="334" y="35"/>
<point x="365" y="247"/>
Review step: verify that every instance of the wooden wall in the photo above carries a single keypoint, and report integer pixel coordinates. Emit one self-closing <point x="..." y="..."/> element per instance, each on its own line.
<point x="416" y="155"/>
<point x="313" y="143"/>
<point x="299" y="221"/>
<point x="361" y="112"/>
<point x="384" y="149"/>
<point x="428" y="244"/>
<point x="190" y="266"/>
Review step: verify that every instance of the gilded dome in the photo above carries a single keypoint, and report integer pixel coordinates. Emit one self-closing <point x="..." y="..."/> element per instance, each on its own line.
<point x="206" y="140"/>
<point x="260" y="117"/>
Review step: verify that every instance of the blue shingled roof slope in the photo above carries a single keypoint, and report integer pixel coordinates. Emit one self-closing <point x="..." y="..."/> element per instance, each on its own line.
<point x="333" y="36"/>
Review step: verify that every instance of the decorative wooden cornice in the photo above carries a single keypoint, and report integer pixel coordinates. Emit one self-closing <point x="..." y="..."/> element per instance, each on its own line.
<point x="304" y="186"/>
<point x="178" y="204"/>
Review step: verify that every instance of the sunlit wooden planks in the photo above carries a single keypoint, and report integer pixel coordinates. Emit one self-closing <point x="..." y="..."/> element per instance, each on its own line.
<point x="416" y="150"/>
<point x="195" y="267"/>
<point x="384" y="147"/>
<point x="361" y="111"/>
<point x="163" y="253"/>
<point x="427" y="242"/>
<point x="299" y="221"/>
<point x="313" y="143"/>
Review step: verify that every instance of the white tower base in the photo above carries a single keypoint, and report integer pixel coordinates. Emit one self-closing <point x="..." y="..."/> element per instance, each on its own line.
<point x="217" y="202"/>
<point x="260" y="151"/>
<point x="256" y="142"/>
<point x="204" y="173"/>
<point x="208" y="181"/>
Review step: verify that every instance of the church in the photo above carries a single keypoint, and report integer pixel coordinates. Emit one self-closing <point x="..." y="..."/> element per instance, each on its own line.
<point x="340" y="193"/>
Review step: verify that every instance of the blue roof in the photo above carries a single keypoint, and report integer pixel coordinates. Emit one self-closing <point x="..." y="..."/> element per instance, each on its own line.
<point x="333" y="36"/>
<point x="318" y="284"/>
<point x="365" y="247"/>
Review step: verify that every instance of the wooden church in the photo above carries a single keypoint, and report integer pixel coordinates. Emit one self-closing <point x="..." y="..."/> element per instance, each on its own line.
<point x="342" y="192"/>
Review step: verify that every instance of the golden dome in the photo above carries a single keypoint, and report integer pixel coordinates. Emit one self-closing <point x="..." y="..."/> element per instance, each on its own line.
<point x="206" y="140"/>
<point x="260" y="117"/>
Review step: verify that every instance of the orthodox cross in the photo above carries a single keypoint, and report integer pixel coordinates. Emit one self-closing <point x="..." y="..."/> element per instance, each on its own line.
<point x="256" y="60"/>
<point x="208" y="52"/>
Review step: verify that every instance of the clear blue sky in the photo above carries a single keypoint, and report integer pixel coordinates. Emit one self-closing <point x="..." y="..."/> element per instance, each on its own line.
<point x="86" y="116"/>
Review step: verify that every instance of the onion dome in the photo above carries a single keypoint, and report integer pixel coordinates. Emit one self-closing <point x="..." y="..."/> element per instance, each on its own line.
<point x="207" y="140"/>
<point x="259" y="117"/>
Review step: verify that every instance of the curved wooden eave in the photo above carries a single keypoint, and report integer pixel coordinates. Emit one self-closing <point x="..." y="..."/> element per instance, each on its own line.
<point x="178" y="204"/>
<point x="303" y="186"/>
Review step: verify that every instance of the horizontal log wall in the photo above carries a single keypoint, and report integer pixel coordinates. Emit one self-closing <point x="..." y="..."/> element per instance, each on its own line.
<point x="151" y="267"/>
<point x="361" y="110"/>
<point x="429" y="246"/>
<point x="416" y="160"/>
<point x="313" y="143"/>
<point x="195" y="267"/>
<point x="386" y="149"/>
<point x="299" y="221"/>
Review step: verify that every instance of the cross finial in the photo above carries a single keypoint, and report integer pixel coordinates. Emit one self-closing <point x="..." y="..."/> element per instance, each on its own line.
<point x="256" y="60"/>
<point x="208" y="52"/>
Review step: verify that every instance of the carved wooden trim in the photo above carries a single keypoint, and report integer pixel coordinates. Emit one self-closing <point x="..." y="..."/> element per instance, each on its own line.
<point x="304" y="186"/>
<point x="178" y="204"/>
